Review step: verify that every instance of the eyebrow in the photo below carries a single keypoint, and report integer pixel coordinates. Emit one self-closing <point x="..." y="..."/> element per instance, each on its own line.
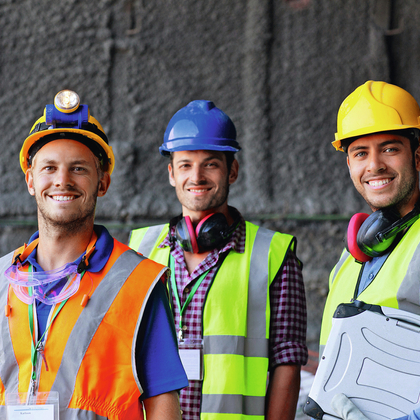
<point x="187" y="160"/>
<point x="384" y="143"/>
<point x="47" y="161"/>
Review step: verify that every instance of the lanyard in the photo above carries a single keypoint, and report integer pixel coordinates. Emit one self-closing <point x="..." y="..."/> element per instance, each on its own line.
<point x="39" y="343"/>
<point x="39" y="346"/>
<point x="189" y="298"/>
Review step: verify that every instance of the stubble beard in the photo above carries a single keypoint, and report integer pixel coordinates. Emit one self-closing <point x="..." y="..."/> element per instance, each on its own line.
<point x="69" y="224"/>
<point x="214" y="202"/>
<point x="402" y="198"/>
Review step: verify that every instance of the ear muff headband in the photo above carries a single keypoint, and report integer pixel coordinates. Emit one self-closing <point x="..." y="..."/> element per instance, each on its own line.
<point x="200" y="224"/>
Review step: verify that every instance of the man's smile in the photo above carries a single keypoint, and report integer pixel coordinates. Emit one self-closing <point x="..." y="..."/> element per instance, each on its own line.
<point x="198" y="190"/>
<point x="63" y="197"/>
<point x="379" y="182"/>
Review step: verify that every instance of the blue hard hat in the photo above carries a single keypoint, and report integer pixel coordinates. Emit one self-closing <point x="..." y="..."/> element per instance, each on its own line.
<point x="200" y="126"/>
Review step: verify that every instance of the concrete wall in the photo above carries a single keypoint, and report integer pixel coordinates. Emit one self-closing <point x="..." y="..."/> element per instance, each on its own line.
<point x="279" y="68"/>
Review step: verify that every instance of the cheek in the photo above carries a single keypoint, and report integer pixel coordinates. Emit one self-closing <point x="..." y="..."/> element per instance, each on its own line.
<point x="39" y="183"/>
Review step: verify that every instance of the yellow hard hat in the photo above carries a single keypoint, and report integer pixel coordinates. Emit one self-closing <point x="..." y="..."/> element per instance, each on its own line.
<point x="67" y="119"/>
<point x="375" y="107"/>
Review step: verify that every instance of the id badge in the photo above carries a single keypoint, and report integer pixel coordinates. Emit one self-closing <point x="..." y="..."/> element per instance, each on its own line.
<point x="191" y="354"/>
<point x="40" y="406"/>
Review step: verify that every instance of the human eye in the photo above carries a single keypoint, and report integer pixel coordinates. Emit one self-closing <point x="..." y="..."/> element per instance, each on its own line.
<point x="79" y="169"/>
<point x="48" y="168"/>
<point x="184" y="165"/>
<point x="359" y="154"/>
<point x="391" y="149"/>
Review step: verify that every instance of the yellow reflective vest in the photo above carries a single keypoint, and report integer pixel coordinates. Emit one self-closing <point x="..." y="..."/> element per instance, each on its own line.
<point x="397" y="284"/>
<point x="235" y="320"/>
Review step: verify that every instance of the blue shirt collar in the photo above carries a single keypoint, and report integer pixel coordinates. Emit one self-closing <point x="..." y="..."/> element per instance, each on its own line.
<point x="98" y="259"/>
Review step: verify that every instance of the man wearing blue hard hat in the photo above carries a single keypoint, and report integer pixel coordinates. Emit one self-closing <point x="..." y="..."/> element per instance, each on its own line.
<point x="236" y="289"/>
<point x="87" y="320"/>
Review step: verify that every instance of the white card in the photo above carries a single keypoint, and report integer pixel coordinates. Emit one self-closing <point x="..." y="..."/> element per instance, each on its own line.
<point x="191" y="360"/>
<point x="30" y="412"/>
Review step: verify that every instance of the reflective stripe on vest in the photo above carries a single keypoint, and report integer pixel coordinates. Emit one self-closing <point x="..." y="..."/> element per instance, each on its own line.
<point x="92" y="353"/>
<point x="236" y="337"/>
<point x="396" y="285"/>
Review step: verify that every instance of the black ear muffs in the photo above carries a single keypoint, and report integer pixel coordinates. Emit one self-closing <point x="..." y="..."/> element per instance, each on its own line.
<point x="369" y="237"/>
<point x="185" y="235"/>
<point x="212" y="232"/>
<point x="374" y="235"/>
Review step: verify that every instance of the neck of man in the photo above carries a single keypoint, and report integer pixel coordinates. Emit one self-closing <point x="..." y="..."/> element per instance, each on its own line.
<point x="196" y="216"/>
<point x="59" y="245"/>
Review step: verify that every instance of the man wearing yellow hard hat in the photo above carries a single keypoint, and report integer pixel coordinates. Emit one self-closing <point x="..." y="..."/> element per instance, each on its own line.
<point x="87" y="323"/>
<point x="378" y="126"/>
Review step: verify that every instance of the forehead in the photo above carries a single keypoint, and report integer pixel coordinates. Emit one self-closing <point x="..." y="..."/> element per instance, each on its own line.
<point x="197" y="155"/>
<point x="377" y="140"/>
<point x="64" y="150"/>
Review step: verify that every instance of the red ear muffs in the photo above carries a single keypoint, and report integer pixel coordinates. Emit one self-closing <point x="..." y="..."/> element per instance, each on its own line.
<point x="354" y="225"/>
<point x="186" y="236"/>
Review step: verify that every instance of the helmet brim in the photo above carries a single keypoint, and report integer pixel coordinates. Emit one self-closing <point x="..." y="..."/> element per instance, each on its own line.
<point x="33" y="138"/>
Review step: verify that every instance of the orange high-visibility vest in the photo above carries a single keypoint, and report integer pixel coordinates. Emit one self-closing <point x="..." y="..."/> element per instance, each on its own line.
<point x="89" y="351"/>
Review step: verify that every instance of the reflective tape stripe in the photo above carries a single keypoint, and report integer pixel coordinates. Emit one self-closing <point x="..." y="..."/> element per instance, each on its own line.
<point x="342" y="260"/>
<point x="230" y="344"/>
<point x="8" y="371"/>
<point x="89" y="321"/>
<point x="233" y="404"/>
<point x="149" y="239"/>
<point x="78" y="414"/>
<point x="258" y="284"/>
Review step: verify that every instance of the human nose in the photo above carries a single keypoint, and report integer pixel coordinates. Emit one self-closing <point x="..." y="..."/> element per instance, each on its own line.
<point x="196" y="174"/>
<point x="63" y="178"/>
<point x="376" y="163"/>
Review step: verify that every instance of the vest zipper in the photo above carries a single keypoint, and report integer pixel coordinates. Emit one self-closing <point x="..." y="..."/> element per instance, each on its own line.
<point x="41" y="351"/>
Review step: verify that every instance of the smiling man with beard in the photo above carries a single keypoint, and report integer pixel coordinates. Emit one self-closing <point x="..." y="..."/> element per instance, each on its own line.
<point x="378" y="126"/>
<point x="87" y="319"/>
<point x="237" y="291"/>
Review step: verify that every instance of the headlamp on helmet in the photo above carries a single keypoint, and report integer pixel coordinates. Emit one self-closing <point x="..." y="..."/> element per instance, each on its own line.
<point x="66" y="101"/>
<point x="68" y="119"/>
<point x="66" y="111"/>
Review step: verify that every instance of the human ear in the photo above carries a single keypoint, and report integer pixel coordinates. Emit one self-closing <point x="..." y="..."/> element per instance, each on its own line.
<point x="234" y="171"/>
<point x="30" y="181"/>
<point x="417" y="159"/>
<point x="104" y="184"/>
<point x="171" y="175"/>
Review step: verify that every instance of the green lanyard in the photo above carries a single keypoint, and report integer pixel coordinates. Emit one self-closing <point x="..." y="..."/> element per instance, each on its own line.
<point x="189" y="298"/>
<point x="35" y="348"/>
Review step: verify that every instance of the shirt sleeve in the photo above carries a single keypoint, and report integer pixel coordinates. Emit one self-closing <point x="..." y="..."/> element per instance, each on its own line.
<point x="159" y="367"/>
<point x="414" y="415"/>
<point x="288" y="315"/>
